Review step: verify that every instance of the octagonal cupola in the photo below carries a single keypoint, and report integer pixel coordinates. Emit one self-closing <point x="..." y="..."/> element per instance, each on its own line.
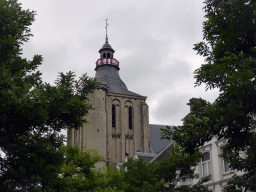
<point x="106" y="51"/>
<point x="107" y="54"/>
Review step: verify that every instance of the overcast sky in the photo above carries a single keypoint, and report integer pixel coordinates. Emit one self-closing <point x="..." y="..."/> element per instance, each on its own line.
<point x="153" y="41"/>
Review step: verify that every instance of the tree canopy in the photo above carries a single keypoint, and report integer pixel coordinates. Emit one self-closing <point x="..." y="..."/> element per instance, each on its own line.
<point x="164" y="175"/>
<point x="32" y="112"/>
<point x="229" y="34"/>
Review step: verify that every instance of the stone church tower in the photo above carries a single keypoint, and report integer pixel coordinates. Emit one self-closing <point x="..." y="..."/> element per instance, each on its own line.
<point x="119" y="123"/>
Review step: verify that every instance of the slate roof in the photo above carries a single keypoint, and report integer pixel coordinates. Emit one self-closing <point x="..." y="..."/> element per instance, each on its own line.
<point x="164" y="153"/>
<point x="106" y="46"/>
<point x="147" y="157"/>
<point x="156" y="144"/>
<point x="109" y="75"/>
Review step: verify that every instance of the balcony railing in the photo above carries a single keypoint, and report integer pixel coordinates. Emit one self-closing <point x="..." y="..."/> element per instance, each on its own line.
<point x="110" y="61"/>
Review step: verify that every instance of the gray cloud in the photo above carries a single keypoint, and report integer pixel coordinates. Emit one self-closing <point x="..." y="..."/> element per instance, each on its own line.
<point x="153" y="41"/>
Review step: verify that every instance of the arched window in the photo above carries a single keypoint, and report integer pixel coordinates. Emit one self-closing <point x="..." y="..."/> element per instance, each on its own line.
<point x="108" y="55"/>
<point x="113" y="115"/>
<point x="130" y="117"/>
<point x="104" y="55"/>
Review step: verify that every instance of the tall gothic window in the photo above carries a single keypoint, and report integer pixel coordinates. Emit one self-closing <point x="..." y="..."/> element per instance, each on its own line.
<point x="113" y="115"/>
<point x="130" y="117"/>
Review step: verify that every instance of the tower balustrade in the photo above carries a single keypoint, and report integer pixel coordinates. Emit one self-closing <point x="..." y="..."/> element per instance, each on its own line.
<point x="110" y="61"/>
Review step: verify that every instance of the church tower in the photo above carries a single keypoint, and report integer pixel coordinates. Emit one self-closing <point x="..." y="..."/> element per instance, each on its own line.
<point x="119" y="123"/>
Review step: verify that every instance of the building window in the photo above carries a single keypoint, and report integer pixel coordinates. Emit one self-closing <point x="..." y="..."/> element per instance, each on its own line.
<point x="206" y="164"/>
<point x="108" y="55"/>
<point x="104" y="55"/>
<point x="113" y="115"/>
<point x="226" y="166"/>
<point x="130" y="117"/>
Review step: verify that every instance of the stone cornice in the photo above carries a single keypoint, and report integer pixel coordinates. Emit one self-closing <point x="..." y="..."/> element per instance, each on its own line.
<point x="126" y="96"/>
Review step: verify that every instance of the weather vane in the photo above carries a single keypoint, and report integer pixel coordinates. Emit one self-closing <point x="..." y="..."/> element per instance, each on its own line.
<point x="106" y="27"/>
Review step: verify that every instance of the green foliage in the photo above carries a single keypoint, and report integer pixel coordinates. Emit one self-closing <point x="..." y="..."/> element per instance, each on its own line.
<point x="78" y="173"/>
<point x="163" y="175"/>
<point x="32" y="112"/>
<point x="230" y="27"/>
<point x="141" y="176"/>
<point x="194" y="131"/>
<point x="229" y="51"/>
<point x="113" y="178"/>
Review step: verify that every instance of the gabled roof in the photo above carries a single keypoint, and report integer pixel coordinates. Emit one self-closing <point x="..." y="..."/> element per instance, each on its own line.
<point x="156" y="143"/>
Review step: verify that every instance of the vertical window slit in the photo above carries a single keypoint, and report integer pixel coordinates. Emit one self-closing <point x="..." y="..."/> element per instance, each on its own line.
<point x="113" y="115"/>
<point x="130" y="117"/>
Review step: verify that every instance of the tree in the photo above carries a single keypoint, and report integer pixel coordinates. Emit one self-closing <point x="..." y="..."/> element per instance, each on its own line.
<point x="163" y="175"/>
<point x="229" y="50"/>
<point x="78" y="173"/>
<point x="32" y="112"/>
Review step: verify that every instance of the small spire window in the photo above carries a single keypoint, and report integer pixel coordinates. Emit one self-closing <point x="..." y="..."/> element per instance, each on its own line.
<point x="113" y="115"/>
<point x="108" y="55"/>
<point x="104" y="55"/>
<point x="130" y="117"/>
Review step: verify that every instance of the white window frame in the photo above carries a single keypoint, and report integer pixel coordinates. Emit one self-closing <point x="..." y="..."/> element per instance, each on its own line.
<point x="206" y="165"/>
<point x="223" y="172"/>
<point x="225" y="163"/>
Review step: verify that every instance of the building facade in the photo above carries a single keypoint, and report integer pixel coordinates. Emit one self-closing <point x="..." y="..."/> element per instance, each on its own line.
<point x="119" y="127"/>
<point x="119" y="123"/>
<point x="212" y="164"/>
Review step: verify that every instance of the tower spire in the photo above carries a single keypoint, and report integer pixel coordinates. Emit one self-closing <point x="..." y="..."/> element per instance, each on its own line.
<point x="106" y="30"/>
<point x="107" y="53"/>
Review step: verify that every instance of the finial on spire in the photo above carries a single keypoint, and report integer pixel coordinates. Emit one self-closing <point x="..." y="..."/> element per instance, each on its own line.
<point x="106" y="30"/>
